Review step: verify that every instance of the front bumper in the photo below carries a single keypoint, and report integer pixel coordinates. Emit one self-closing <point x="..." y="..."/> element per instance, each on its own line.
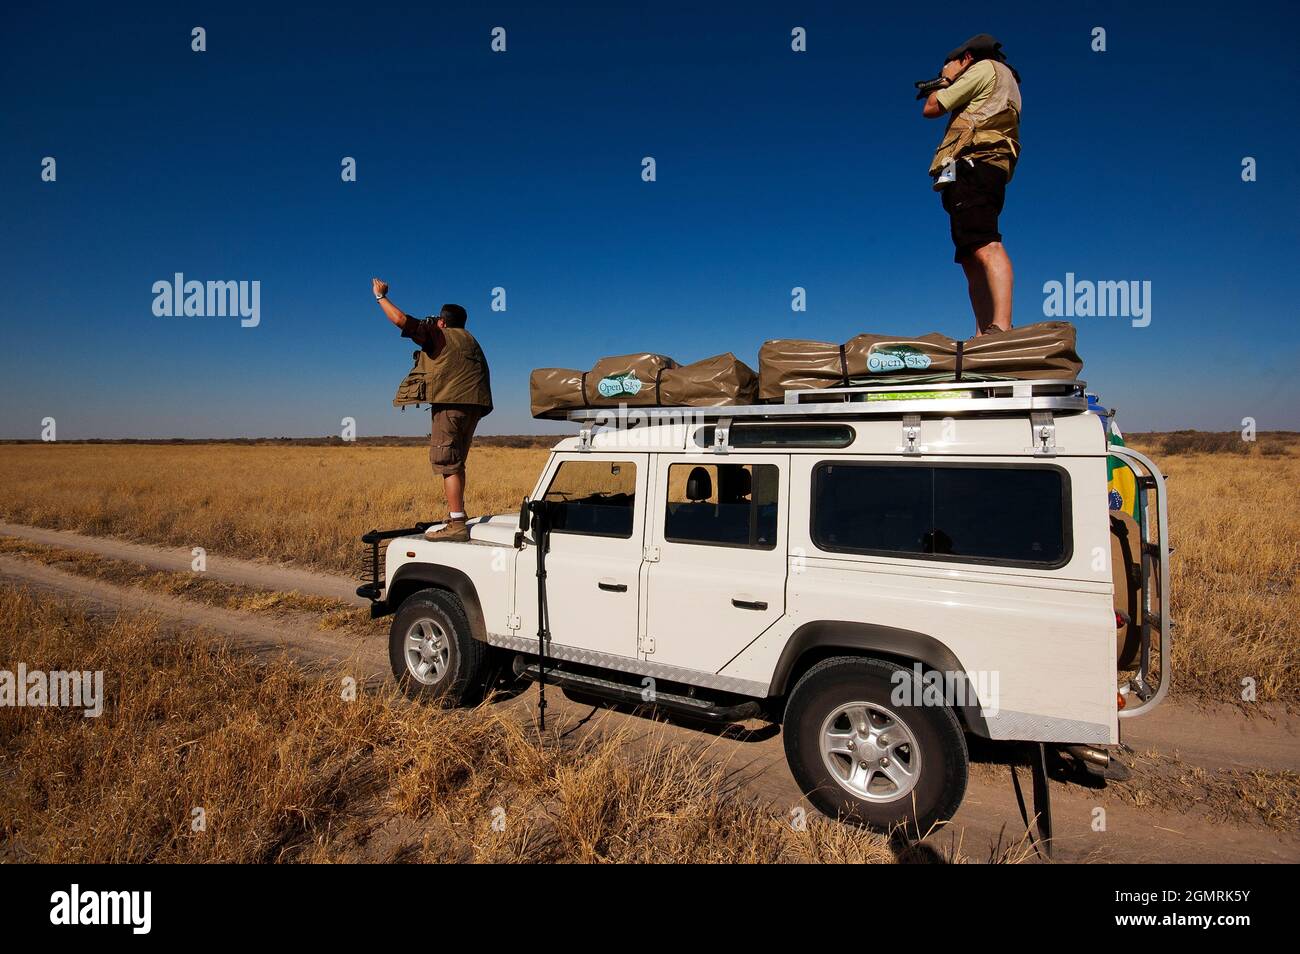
<point x="375" y="593"/>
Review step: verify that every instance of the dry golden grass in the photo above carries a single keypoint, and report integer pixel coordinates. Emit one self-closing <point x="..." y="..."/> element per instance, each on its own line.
<point x="1236" y="796"/>
<point x="306" y="505"/>
<point x="1235" y="574"/>
<point x="287" y="769"/>
<point x="1234" y="514"/>
<point x="1167" y="783"/>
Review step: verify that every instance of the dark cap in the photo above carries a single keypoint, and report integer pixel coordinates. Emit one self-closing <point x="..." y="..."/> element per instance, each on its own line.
<point x="981" y="46"/>
<point x="454" y="315"/>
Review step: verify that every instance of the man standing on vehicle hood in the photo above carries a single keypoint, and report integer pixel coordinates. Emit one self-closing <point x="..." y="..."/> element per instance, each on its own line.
<point x="451" y="375"/>
<point x="972" y="166"/>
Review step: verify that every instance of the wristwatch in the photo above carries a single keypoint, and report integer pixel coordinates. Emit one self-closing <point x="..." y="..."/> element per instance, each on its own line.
<point x="380" y="297"/>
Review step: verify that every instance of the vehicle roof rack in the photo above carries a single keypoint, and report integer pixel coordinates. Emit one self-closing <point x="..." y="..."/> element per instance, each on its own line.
<point x="874" y="400"/>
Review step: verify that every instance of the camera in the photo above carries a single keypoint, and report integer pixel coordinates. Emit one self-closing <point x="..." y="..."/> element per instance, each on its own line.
<point x="925" y="87"/>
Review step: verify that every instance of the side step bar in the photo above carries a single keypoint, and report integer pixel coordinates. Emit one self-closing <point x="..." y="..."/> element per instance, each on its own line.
<point x="632" y="695"/>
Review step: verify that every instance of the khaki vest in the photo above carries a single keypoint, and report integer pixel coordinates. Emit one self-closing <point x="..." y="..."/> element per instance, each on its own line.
<point x="459" y="375"/>
<point x="990" y="132"/>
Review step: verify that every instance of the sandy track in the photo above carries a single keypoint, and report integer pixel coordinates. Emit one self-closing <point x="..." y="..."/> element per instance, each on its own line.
<point x="299" y="638"/>
<point x="226" y="569"/>
<point x="1210" y="738"/>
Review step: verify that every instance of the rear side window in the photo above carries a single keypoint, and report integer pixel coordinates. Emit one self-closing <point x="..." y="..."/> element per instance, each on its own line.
<point x="1013" y="515"/>
<point x="595" y="497"/>
<point x="722" y="504"/>
<point x="780" y="435"/>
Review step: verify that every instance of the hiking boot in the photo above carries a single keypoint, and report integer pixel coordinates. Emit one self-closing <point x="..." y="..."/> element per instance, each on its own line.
<point x="454" y="531"/>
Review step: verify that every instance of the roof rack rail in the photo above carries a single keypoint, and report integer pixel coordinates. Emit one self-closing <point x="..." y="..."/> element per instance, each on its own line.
<point x="875" y="400"/>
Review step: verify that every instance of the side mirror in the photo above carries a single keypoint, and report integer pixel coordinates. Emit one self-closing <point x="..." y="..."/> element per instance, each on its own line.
<point x="524" y="522"/>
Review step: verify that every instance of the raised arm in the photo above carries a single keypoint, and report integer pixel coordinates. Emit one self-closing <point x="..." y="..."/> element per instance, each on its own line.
<point x="394" y="314"/>
<point x="426" y="334"/>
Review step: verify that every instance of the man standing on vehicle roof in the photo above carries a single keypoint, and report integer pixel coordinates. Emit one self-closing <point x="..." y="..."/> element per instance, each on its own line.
<point x="972" y="166"/>
<point x="451" y="375"/>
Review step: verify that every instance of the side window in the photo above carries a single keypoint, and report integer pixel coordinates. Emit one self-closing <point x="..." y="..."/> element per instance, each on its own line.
<point x="722" y="504"/>
<point x="595" y="497"/>
<point x="780" y="435"/>
<point x="1003" y="515"/>
<point x="882" y="509"/>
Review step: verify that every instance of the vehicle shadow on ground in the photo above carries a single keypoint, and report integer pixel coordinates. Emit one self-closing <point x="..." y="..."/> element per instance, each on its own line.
<point x="735" y="731"/>
<point x="507" y="690"/>
<point x="940" y="845"/>
<point x="1018" y="755"/>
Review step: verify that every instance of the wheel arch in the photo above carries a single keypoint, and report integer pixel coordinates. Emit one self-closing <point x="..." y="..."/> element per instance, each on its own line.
<point x="821" y="639"/>
<point x="413" y="577"/>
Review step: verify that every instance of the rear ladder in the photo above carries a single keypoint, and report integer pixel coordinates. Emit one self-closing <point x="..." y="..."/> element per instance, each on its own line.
<point x="1155" y="583"/>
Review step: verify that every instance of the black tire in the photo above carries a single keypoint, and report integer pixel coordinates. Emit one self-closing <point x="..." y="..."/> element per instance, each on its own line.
<point x="464" y="660"/>
<point x="940" y="756"/>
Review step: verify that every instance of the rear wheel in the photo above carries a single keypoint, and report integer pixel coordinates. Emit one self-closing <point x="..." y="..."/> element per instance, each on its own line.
<point x="432" y="652"/>
<point x="860" y="756"/>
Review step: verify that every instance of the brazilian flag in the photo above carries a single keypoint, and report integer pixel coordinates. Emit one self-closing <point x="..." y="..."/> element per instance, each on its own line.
<point x="1121" y="481"/>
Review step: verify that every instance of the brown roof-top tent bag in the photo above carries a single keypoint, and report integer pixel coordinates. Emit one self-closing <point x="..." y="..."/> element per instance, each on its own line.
<point x="643" y="380"/>
<point x="1042" y="350"/>
<point x="723" y="380"/>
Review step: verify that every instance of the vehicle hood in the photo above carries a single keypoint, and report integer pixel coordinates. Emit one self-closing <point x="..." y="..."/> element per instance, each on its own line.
<point x="499" y="528"/>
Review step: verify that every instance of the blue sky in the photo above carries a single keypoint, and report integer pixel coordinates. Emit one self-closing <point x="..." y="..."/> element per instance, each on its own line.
<point x="523" y="170"/>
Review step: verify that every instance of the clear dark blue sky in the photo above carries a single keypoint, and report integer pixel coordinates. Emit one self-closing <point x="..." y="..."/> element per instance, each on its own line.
<point x="522" y="170"/>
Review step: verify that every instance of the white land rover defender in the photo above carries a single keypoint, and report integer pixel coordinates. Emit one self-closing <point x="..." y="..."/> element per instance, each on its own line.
<point x="881" y="571"/>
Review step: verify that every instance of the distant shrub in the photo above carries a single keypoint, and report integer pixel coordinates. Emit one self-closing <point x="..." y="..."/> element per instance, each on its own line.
<point x="1268" y="443"/>
<point x="1205" y="442"/>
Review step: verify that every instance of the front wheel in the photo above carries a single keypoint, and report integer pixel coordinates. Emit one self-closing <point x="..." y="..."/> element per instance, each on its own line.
<point x="860" y="756"/>
<point x="433" y="654"/>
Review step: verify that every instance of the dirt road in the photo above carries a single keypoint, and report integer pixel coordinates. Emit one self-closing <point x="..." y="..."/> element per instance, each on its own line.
<point x="1208" y="740"/>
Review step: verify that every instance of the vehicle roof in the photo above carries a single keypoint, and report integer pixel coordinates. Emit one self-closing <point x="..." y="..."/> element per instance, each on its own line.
<point x="1077" y="433"/>
<point x="1004" y="417"/>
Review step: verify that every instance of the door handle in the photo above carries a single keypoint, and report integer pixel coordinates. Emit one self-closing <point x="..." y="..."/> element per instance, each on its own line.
<point x="609" y="586"/>
<point x="748" y="604"/>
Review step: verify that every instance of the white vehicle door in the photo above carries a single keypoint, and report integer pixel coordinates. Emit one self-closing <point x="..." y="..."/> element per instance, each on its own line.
<point x="594" y="564"/>
<point x="716" y="576"/>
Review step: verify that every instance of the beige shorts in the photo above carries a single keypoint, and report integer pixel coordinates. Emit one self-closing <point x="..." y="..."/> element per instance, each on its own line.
<point x="450" y="435"/>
